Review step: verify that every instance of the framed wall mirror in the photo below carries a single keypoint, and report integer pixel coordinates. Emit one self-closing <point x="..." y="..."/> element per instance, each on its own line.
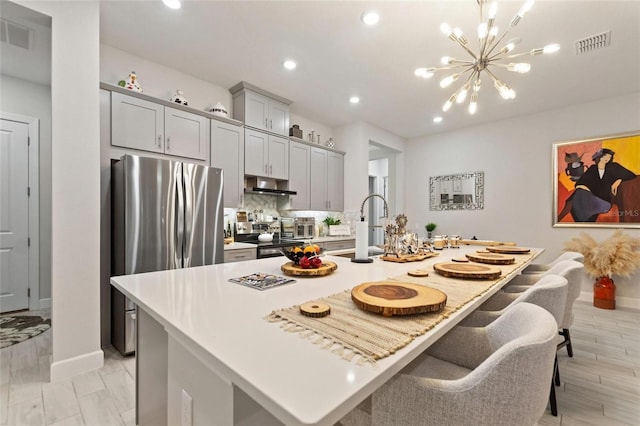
<point x="462" y="191"/>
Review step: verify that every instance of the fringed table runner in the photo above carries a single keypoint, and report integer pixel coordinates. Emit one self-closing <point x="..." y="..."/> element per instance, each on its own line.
<point x="355" y="334"/>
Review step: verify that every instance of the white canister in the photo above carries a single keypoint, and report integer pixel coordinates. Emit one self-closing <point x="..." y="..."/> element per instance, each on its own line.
<point x="438" y="242"/>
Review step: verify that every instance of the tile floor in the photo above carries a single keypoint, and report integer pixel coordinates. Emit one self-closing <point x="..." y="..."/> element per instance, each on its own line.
<point x="600" y="384"/>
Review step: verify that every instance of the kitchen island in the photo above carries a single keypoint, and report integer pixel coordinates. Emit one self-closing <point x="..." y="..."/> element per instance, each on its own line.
<point x="206" y="354"/>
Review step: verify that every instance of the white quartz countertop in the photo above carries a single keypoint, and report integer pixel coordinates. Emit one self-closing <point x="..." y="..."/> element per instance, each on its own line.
<point x="202" y="308"/>
<point x="239" y="246"/>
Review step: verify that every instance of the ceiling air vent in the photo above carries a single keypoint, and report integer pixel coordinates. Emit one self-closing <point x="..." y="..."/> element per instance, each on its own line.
<point x="15" y="34"/>
<point x="594" y="42"/>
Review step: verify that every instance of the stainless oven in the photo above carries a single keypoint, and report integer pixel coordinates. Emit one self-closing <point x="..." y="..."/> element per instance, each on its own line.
<point x="304" y="227"/>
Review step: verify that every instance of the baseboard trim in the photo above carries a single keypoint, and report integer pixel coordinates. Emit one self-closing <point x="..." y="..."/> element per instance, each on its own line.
<point x="621" y="302"/>
<point x="62" y="370"/>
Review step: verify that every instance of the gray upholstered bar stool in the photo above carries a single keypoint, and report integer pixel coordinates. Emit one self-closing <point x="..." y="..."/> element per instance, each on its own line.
<point x="536" y="268"/>
<point x="572" y="271"/>
<point x="550" y="293"/>
<point x="494" y="375"/>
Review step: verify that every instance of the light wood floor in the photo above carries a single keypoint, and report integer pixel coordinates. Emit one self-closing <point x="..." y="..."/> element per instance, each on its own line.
<point x="600" y="384"/>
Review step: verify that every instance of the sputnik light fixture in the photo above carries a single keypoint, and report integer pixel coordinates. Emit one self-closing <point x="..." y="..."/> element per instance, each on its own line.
<point x="487" y="58"/>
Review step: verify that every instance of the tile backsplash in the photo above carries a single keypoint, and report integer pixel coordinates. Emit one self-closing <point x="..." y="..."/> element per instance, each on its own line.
<point x="268" y="205"/>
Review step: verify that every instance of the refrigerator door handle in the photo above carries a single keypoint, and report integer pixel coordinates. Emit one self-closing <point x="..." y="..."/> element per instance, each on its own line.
<point x="180" y="211"/>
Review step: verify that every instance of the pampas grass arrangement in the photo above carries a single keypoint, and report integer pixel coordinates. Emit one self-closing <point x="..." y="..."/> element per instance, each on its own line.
<point x="617" y="255"/>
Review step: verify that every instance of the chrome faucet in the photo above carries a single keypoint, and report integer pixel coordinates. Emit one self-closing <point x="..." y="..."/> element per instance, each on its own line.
<point x="386" y="208"/>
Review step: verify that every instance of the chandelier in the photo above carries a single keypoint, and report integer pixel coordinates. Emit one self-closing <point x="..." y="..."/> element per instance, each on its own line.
<point x="487" y="59"/>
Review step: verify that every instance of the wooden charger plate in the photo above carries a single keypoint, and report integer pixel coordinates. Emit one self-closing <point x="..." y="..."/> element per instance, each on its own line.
<point x="397" y="298"/>
<point x="491" y="258"/>
<point x="326" y="268"/>
<point x="509" y="249"/>
<point x="467" y="270"/>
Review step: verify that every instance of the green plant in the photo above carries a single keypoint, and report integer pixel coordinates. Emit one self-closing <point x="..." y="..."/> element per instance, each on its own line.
<point x="430" y="226"/>
<point x="331" y="221"/>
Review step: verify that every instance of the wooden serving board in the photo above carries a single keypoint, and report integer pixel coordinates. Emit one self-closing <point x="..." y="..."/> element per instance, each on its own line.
<point x="397" y="298"/>
<point x="509" y="249"/>
<point x="326" y="268"/>
<point x="408" y="258"/>
<point x="491" y="258"/>
<point x="467" y="270"/>
<point x="315" y="310"/>
<point x="486" y="243"/>
<point x="418" y="273"/>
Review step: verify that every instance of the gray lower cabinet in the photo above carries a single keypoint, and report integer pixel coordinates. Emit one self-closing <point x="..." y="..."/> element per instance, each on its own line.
<point x="239" y="255"/>
<point x="227" y="153"/>
<point x="339" y="245"/>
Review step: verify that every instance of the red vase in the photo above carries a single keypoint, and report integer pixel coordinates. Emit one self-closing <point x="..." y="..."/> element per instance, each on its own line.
<point x="604" y="293"/>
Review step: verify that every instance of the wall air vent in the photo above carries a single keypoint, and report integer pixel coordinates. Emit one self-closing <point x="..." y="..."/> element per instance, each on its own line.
<point x="15" y="34"/>
<point x="594" y="42"/>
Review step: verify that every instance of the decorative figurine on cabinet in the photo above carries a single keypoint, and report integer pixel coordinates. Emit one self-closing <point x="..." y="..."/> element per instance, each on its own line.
<point x="131" y="83"/>
<point x="179" y="98"/>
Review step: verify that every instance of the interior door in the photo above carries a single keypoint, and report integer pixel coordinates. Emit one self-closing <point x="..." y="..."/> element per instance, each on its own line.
<point x="14" y="213"/>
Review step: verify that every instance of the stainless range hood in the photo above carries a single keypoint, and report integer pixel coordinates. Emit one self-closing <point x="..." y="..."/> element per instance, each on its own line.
<point x="260" y="185"/>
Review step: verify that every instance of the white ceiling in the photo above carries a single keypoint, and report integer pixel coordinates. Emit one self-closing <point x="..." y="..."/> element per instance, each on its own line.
<point x="225" y="42"/>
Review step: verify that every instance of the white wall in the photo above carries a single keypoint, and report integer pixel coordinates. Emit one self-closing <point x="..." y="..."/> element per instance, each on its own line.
<point x="34" y="100"/>
<point x="354" y="139"/>
<point x="515" y="156"/>
<point x="75" y="183"/>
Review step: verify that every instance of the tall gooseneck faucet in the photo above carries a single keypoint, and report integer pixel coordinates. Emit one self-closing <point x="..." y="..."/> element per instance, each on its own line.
<point x="386" y="207"/>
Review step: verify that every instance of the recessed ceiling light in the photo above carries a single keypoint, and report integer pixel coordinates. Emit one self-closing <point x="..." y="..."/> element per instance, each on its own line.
<point x="354" y="99"/>
<point x="172" y="4"/>
<point x="370" y="17"/>
<point x="437" y="119"/>
<point x="289" y="64"/>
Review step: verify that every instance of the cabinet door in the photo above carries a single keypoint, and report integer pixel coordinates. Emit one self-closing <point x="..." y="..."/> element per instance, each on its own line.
<point x="255" y="153"/>
<point x="278" y="157"/>
<point x="299" y="175"/>
<point x="335" y="181"/>
<point x="186" y="134"/>
<point x="136" y="123"/>
<point x="256" y="112"/>
<point x="278" y="118"/>
<point x="227" y="153"/>
<point x="318" y="167"/>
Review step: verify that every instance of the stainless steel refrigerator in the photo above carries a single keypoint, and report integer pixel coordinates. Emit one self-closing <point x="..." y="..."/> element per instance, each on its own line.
<point x="166" y="215"/>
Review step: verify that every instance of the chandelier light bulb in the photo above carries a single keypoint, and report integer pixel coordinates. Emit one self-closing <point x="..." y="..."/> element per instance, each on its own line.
<point x="493" y="32"/>
<point x="460" y="35"/>
<point x="525" y="8"/>
<point x="447" y="105"/>
<point x="462" y="95"/>
<point x="446" y="29"/>
<point x="473" y="105"/>
<point x="446" y="60"/>
<point x="482" y="30"/>
<point x="446" y="82"/>
<point x="424" y="72"/>
<point x="476" y="86"/>
<point x="521" y="67"/>
<point x="493" y="10"/>
<point x="551" y="48"/>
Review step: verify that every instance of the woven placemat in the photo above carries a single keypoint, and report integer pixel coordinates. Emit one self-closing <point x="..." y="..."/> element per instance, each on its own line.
<point x="366" y="337"/>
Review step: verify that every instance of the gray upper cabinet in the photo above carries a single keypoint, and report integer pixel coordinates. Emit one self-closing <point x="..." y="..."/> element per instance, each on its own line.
<point x="227" y="153"/>
<point x="327" y="175"/>
<point x="300" y="176"/>
<point x="147" y="126"/>
<point x="259" y="109"/>
<point x="266" y="155"/>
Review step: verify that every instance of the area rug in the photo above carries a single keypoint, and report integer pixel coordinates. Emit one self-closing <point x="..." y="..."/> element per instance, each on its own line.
<point x="16" y="329"/>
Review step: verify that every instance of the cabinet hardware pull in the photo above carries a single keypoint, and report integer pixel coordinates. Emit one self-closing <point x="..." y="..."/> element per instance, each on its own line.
<point x="266" y="168"/>
<point x="266" y="122"/>
<point x="168" y="143"/>
<point x="159" y="141"/>
<point x="271" y="124"/>
<point x="270" y="169"/>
